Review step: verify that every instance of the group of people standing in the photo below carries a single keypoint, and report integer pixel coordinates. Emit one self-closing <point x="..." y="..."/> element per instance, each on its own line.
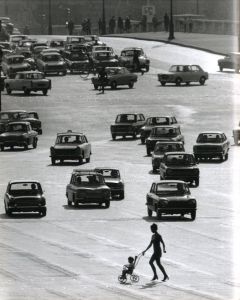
<point x="118" y="25"/>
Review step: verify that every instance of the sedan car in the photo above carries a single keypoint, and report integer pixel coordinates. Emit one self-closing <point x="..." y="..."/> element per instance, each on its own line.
<point x="113" y="180"/>
<point x="18" y="134"/>
<point x="211" y="144"/>
<point x="163" y="133"/>
<point x="179" y="166"/>
<point x="87" y="186"/>
<point x="25" y="196"/>
<point x="116" y="76"/>
<point x="70" y="146"/>
<point x="127" y="55"/>
<point x="171" y="197"/>
<point x="183" y="74"/>
<point x="104" y="58"/>
<point x="51" y="63"/>
<point x="153" y="122"/>
<point x="13" y="63"/>
<point x="230" y="61"/>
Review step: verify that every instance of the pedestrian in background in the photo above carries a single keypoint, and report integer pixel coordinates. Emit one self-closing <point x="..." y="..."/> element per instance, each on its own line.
<point x="166" y="22"/>
<point x="120" y="25"/>
<point x="70" y="26"/>
<point x="127" y="24"/>
<point x="89" y="26"/>
<point x="100" y="26"/>
<point x="155" y="23"/>
<point x="144" y="23"/>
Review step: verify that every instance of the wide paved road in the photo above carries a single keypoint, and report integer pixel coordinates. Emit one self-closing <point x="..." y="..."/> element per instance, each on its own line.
<point x="78" y="254"/>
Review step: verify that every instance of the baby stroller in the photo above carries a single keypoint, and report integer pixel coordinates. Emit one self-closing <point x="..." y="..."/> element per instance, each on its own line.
<point x="130" y="271"/>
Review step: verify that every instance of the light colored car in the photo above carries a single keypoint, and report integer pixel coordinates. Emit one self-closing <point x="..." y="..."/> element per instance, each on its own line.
<point x="13" y="63"/>
<point x="51" y="63"/>
<point x="183" y="74"/>
<point x="230" y="61"/>
<point x="236" y="134"/>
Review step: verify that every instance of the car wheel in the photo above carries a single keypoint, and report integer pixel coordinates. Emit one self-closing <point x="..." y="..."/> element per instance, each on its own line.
<point x="159" y="214"/>
<point x="80" y="160"/>
<point x="2" y="148"/>
<point x="222" y="157"/>
<point x="193" y="215"/>
<point x="88" y="159"/>
<point x="196" y="182"/>
<point x="61" y="161"/>
<point x="121" y="195"/>
<point x="53" y="160"/>
<point x="148" y="152"/>
<point x="149" y="212"/>
<point x="114" y="137"/>
<point x="178" y="81"/>
<point x="236" y="70"/>
<point x="43" y="213"/>
<point x="35" y="143"/>
<point x="26" y="91"/>
<point x="45" y="91"/>
<point x="114" y="85"/>
<point x="107" y="204"/>
<point x="188" y="83"/>
<point x="26" y="147"/>
<point x="69" y="203"/>
<point x="131" y="84"/>
<point x="142" y="140"/>
<point x="163" y="83"/>
<point x="8" y="89"/>
<point x="134" y="135"/>
<point x="95" y="86"/>
<point x="202" y="80"/>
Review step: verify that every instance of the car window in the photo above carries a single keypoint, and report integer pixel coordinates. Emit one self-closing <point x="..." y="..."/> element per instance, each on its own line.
<point x="17" y="128"/>
<point x="109" y="173"/>
<point x="180" y="159"/>
<point x="157" y="121"/>
<point x="4" y="116"/>
<point x="153" y="188"/>
<point x="210" y="138"/>
<point x="26" y="188"/>
<point x="172" y="188"/>
<point x="69" y="139"/>
<point x="195" y="68"/>
<point x="126" y="118"/>
<point x="162" y="148"/>
<point x="86" y="180"/>
<point x="164" y="131"/>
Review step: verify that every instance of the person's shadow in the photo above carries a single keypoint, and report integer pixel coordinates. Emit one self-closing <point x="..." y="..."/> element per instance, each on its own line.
<point x="149" y="285"/>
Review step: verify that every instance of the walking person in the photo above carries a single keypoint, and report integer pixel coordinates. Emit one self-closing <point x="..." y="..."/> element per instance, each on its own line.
<point x="156" y="242"/>
<point x="166" y="21"/>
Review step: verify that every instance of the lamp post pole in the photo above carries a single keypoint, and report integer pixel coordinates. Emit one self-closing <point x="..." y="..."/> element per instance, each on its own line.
<point x="1" y="84"/>
<point x="49" y="17"/>
<point x="238" y="19"/>
<point x="171" y="26"/>
<point x="103" y="18"/>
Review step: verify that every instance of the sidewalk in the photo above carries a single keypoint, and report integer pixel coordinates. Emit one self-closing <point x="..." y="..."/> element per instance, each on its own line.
<point x="219" y="44"/>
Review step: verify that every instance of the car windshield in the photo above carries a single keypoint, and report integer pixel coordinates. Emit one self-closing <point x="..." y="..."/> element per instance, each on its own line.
<point x="209" y="138"/>
<point x="165" y="132"/>
<point x="15" y="60"/>
<point x="172" y="189"/>
<point x="126" y="119"/>
<point x="78" y="56"/>
<point x="86" y="180"/>
<point x="162" y="148"/>
<point x="69" y="139"/>
<point x="76" y="40"/>
<point x="180" y="160"/>
<point x="17" y="128"/>
<point x="26" y="54"/>
<point x="25" y="188"/>
<point x="114" y="71"/>
<point x="109" y="173"/>
<point x="157" y="121"/>
<point x="57" y="44"/>
<point x="23" y="115"/>
<point x="33" y="115"/>
<point x="51" y="57"/>
<point x="34" y="76"/>
<point x="131" y="52"/>
<point x="103" y="55"/>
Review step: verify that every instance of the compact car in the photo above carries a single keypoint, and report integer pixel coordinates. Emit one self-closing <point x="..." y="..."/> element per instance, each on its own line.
<point x="230" y="61"/>
<point x="126" y="58"/>
<point x="179" y="74"/>
<point x="211" y="144"/>
<point x="127" y="124"/>
<point x="171" y="197"/>
<point x="105" y="59"/>
<point x="87" y="186"/>
<point x="13" y="63"/>
<point x="70" y="146"/>
<point x="24" y="196"/>
<point x="76" y="61"/>
<point x="51" y="63"/>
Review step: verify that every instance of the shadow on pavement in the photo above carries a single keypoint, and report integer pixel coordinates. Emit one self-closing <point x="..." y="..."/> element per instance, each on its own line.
<point x="21" y="216"/>
<point x="167" y="219"/>
<point x="84" y="207"/>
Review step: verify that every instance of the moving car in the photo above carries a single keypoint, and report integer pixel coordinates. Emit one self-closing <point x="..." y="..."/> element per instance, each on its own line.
<point x="25" y="196"/>
<point x="76" y="61"/>
<point x="211" y="144"/>
<point x="70" y="146"/>
<point x="28" y="81"/>
<point x="18" y="134"/>
<point x="51" y="63"/>
<point x="116" y="76"/>
<point x="179" y="166"/>
<point x="171" y="197"/>
<point x="163" y="133"/>
<point x="113" y="180"/>
<point x="230" y="61"/>
<point x="105" y="59"/>
<point x="13" y="63"/>
<point x="183" y="74"/>
<point x="153" y="122"/>
<point x="126" y="58"/>
<point x="87" y="186"/>
<point x="160" y="149"/>
<point x="127" y="124"/>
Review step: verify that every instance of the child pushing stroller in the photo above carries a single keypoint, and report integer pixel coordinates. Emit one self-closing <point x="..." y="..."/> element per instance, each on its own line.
<point x="129" y="268"/>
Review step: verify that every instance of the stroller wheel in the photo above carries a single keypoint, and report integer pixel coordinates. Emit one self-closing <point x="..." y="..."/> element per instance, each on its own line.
<point x="122" y="279"/>
<point x="134" y="278"/>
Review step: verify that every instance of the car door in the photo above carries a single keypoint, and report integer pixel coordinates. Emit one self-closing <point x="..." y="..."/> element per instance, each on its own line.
<point x="86" y="147"/>
<point x="225" y="143"/>
<point x="17" y="82"/>
<point x="162" y="168"/>
<point x="150" y="195"/>
<point x="71" y="189"/>
<point x="31" y="134"/>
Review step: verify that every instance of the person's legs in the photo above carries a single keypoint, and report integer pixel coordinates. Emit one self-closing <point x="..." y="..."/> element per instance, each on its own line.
<point x="152" y="259"/>
<point x="161" y="267"/>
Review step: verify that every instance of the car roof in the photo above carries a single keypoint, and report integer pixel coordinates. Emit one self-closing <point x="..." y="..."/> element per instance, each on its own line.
<point x="50" y="53"/>
<point x="85" y="172"/>
<point x="130" y="114"/>
<point x="23" y="181"/>
<point x="169" y="181"/>
<point x="168" y="142"/>
<point x="132" y="48"/>
<point x="161" y="117"/>
<point x="19" y="122"/>
<point x="178" y="153"/>
<point x="211" y="132"/>
<point x="12" y="111"/>
<point x="29" y="72"/>
<point x="167" y="126"/>
<point x="15" y="55"/>
<point x="69" y="132"/>
<point x="103" y="168"/>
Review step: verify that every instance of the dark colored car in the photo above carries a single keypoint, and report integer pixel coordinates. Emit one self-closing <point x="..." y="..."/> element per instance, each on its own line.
<point x="25" y="196"/>
<point x="230" y="61"/>
<point x="76" y="61"/>
<point x="179" y="166"/>
<point x="87" y="186"/>
<point x="70" y="146"/>
<point x="18" y="134"/>
<point x="113" y="180"/>
<point x="116" y="76"/>
<point x="210" y="145"/>
<point x="153" y="122"/>
<point x="170" y="197"/>
<point x="127" y="55"/>
<point x="161" y="148"/>
<point x="127" y="124"/>
<point x="163" y="133"/>
<point x="104" y="59"/>
<point x="51" y="63"/>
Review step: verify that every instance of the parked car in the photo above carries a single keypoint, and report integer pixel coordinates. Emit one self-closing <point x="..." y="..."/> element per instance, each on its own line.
<point x="13" y="63"/>
<point x="25" y="196"/>
<point x="102" y="48"/>
<point x="126" y="58"/>
<point x="51" y="63"/>
<point x="70" y="146"/>
<point x="2" y="127"/>
<point x="211" y="144"/>
<point x="230" y="61"/>
<point x="75" y="39"/>
<point x="14" y="39"/>
<point x="18" y="134"/>
<point x="113" y="180"/>
<point x="28" y="57"/>
<point x="153" y="122"/>
<point x="28" y="81"/>
<point x="183" y="74"/>
<point x="236" y="134"/>
<point x="87" y="186"/>
<point x="171" y="197"/>
<point x="76" y="61"/>
<point x="57" y="44"/>
<point x="163" y="133"/>
<point x="179" y="166"/>
<point x="161" y="148"/>
<point x="127" y="124"/>
<point x="104" y="59"/>
<point x="116" y="76"/>
<point x="38" y="44"/>
<point x="37" y="50"/>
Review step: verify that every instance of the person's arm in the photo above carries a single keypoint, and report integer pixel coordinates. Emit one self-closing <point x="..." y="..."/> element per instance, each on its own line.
<point x="147" y="247"/>
<point x="161" y="241"/>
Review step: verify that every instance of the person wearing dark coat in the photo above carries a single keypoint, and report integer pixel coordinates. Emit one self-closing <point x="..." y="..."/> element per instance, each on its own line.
<point x="120" y="25"/>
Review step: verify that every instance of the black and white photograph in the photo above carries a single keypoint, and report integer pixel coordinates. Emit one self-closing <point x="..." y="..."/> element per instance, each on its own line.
<point x="119" y="149"/>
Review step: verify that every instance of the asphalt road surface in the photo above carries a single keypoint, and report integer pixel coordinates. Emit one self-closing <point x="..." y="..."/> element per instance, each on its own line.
<point x="79" y="253"/>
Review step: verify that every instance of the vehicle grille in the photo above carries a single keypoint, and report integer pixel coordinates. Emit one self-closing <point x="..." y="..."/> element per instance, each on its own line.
<point x="123" y="128"/>
<point x="54" y="68"/>
<point x="181" y="204"/>
<point x="26" y="202"/>
<point x="66" y="152"/>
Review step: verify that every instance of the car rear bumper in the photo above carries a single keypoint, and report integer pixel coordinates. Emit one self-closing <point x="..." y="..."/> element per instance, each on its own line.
<point x="14" y="143"/>
<point x="27" y="208"/>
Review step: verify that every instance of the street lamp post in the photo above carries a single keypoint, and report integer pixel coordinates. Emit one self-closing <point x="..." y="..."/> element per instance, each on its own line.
<point x="103" y="18"/>
<point x="171" y="26"/>
<point x="1" y="83"/>
<point x="49" y="17"/>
